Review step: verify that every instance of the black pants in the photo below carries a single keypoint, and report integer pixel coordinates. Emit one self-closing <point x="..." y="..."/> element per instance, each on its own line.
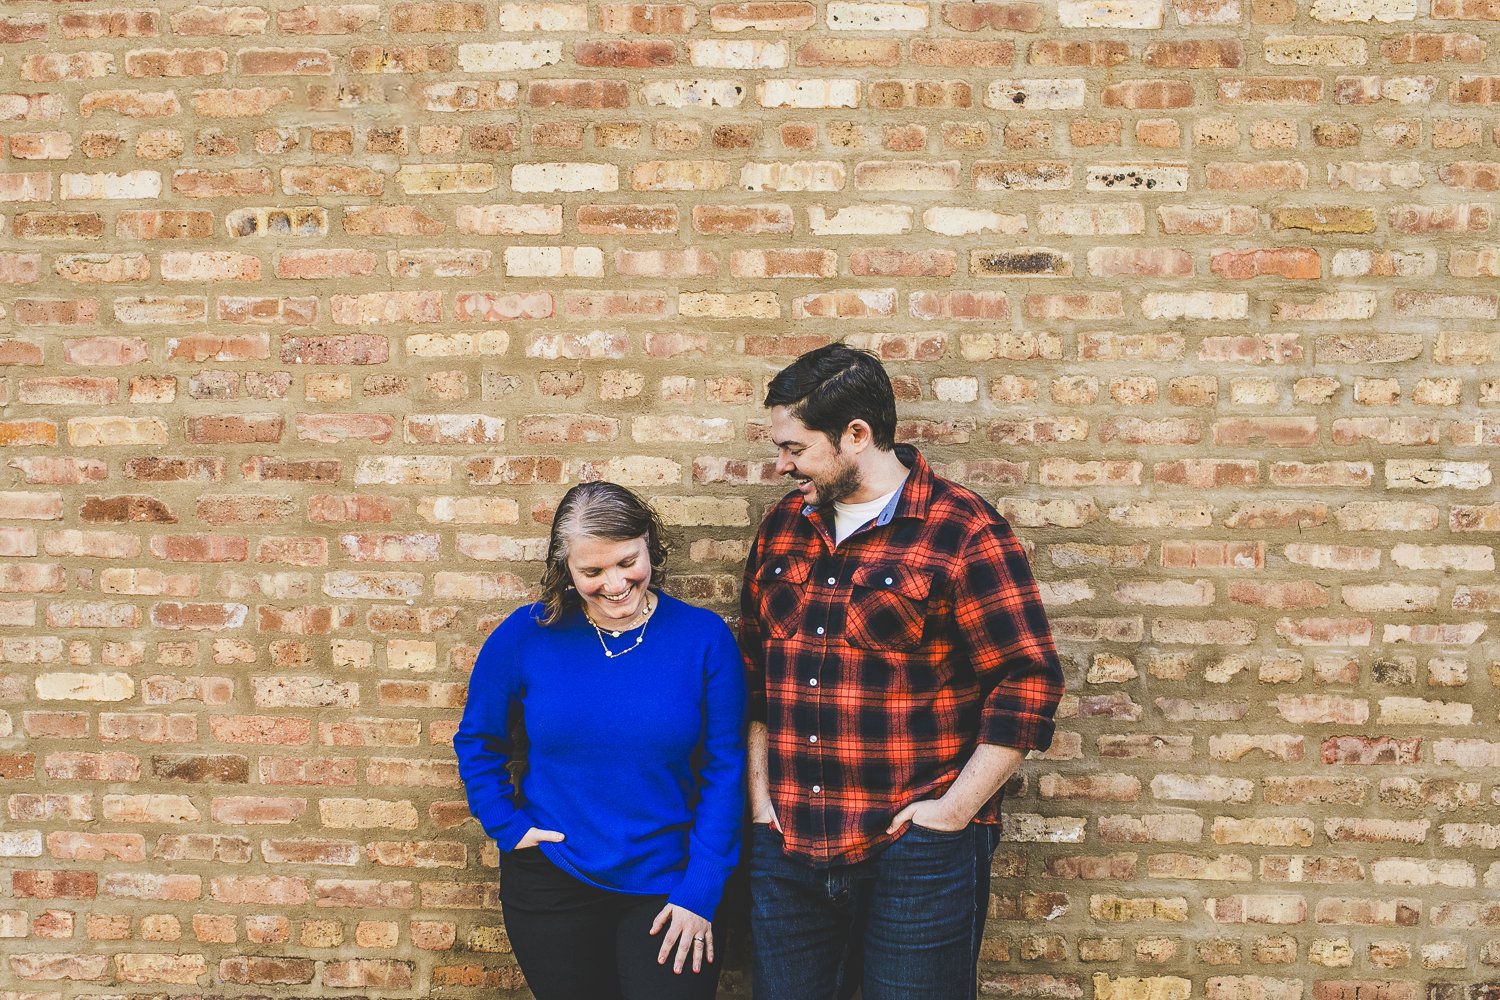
<point x="575" y="941"/>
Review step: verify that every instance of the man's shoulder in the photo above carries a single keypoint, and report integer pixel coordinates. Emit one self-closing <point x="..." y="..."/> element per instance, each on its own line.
<point x="955" y="502"/>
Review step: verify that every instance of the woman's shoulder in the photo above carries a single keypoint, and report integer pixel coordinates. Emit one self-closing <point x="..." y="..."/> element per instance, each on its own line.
<point x="521" y="624"/>
<point x="699" y="618"/>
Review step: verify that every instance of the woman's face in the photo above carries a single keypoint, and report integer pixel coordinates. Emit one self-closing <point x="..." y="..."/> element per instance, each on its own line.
<point x="610" y="576"/>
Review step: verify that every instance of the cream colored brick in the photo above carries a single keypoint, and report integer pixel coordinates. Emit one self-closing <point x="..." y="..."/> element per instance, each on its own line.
<point x="542" y="177"/>
<point x="137" y="184"/>
<point x="1038" y="94"/>
<point x="508" y="57"/>
<point x="1110" y="13"/>
<point x="1355" y="11"/>
<point x="1316" y="50"/>
<point x="818" y="175"/>
<point x="693" y="93"/>
<point x="808" y="94"/>
<point x="554" y="262"/>
<point x="447" y="178"/>
<point x="723" y="53"/>
<point x="860" y="220"/>
<point x="846" y="16"/>
<point x="971" y="222"/>
<point x="542" y="17"/>
<point x="85" y="687"/>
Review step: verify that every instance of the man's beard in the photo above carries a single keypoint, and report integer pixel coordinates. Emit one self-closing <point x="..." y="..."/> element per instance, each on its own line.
<point x="840" y="486"/>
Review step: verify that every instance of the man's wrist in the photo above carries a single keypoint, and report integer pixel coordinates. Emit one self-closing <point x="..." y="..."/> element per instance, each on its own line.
<point x="955" y="812"/>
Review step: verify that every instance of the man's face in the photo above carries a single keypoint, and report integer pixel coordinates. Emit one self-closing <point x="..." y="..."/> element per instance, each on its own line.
<point x="824" y="473"/>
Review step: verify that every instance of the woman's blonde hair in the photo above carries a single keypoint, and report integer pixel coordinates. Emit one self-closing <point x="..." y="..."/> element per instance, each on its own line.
<point x="606" y="511"/>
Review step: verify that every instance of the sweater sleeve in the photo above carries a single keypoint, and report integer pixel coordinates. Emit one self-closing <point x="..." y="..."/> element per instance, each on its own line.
<point x="483" y="740"/>
<point x="714" y="842"/>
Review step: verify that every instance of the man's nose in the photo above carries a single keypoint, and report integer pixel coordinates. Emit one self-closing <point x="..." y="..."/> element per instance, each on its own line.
<point x="784" y="465"/>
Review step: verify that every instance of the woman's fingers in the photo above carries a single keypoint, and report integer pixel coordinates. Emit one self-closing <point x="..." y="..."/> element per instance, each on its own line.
<point x="536" y="835"/>
<point x="668" y="942"/>
<point x="661" y="919"/>
<point x="683" y="937"/>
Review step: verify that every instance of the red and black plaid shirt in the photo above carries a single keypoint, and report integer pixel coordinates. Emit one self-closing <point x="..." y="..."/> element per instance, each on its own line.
<point x="878" y="665"/>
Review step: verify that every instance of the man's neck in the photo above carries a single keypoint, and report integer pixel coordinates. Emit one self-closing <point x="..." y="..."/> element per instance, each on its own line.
<point x="881" y="473"/>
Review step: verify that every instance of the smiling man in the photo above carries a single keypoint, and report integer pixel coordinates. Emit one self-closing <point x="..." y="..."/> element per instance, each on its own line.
<point x="901" y="667"/>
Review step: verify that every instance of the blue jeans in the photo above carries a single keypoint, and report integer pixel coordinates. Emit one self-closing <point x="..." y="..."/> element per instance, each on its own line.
<point x="904" y="925"/>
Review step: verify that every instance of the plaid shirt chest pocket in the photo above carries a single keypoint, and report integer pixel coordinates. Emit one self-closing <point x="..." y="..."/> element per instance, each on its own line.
<point x="888" y="608"/>
<point x="781" y="584"/>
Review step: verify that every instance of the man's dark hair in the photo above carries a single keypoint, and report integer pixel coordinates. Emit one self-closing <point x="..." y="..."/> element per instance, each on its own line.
<point x="832" y="385"/>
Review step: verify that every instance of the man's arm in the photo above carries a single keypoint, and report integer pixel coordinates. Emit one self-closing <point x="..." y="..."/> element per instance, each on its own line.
<point x="1003" y="632"/>
<point x="757" y="767"/>
<point x="761" y="809"/>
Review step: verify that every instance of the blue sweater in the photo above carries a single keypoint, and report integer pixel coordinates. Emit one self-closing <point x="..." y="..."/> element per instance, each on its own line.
<point x="639" y="761"/>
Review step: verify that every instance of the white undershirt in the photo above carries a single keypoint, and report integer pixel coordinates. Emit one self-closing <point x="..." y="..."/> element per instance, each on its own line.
<point x="850" y="517"/>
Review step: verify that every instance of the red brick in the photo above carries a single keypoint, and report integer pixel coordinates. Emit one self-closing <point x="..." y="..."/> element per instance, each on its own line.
<point x="1293" y="263"/>
<point x="593" y="95"/>
<point x="625" y="54"/>
<point x="1009" y="16"/>
<point x="1147" y="95"/>
<point x="1204" y="53"/>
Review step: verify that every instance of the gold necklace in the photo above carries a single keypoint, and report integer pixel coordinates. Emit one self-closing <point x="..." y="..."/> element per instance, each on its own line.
<point x="610" y="654"/>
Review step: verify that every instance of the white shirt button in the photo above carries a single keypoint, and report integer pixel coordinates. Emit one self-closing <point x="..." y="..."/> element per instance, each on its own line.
<point x="812" y="739"/>
<point x="820" y="630"/>
<point x="832" y="580"/>
<point x="888" y="580"/>
<point x="778" y="570"/>
<point x="817" y="788"/>
<point x="812" y="682"/>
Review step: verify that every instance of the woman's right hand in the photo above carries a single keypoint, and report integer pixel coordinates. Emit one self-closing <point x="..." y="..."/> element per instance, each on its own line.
<point x="535" y="836"/>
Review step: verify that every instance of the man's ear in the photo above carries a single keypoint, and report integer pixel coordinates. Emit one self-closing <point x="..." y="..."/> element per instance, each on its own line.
<point x="857" y="435"/>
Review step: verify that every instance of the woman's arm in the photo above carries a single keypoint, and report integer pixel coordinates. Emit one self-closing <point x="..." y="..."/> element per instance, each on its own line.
<point x="483" y="741"/>
<point x="714" y="841"/>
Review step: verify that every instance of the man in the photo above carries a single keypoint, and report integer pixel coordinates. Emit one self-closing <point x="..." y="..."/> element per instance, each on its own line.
<point x="901" y="667"/>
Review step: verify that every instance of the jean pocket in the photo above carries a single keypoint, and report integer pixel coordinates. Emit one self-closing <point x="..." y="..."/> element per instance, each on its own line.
<point x="928" y="833"/>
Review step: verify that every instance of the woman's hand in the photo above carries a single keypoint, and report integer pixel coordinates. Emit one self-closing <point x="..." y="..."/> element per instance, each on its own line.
<point x="535" y="836"/>
<point x="688" y="933"/>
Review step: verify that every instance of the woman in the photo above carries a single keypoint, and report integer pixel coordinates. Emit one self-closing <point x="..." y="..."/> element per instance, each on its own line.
<point x="616" y="852"/>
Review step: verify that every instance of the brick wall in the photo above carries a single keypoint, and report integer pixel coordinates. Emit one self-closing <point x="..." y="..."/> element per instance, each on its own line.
<point x="311" y="313"/>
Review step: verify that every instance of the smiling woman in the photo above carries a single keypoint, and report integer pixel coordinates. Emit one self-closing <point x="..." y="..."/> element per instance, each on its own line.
<point x="611" y="578"/>
<point x="616" y="851"/>
<point x="597" y="528"/>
